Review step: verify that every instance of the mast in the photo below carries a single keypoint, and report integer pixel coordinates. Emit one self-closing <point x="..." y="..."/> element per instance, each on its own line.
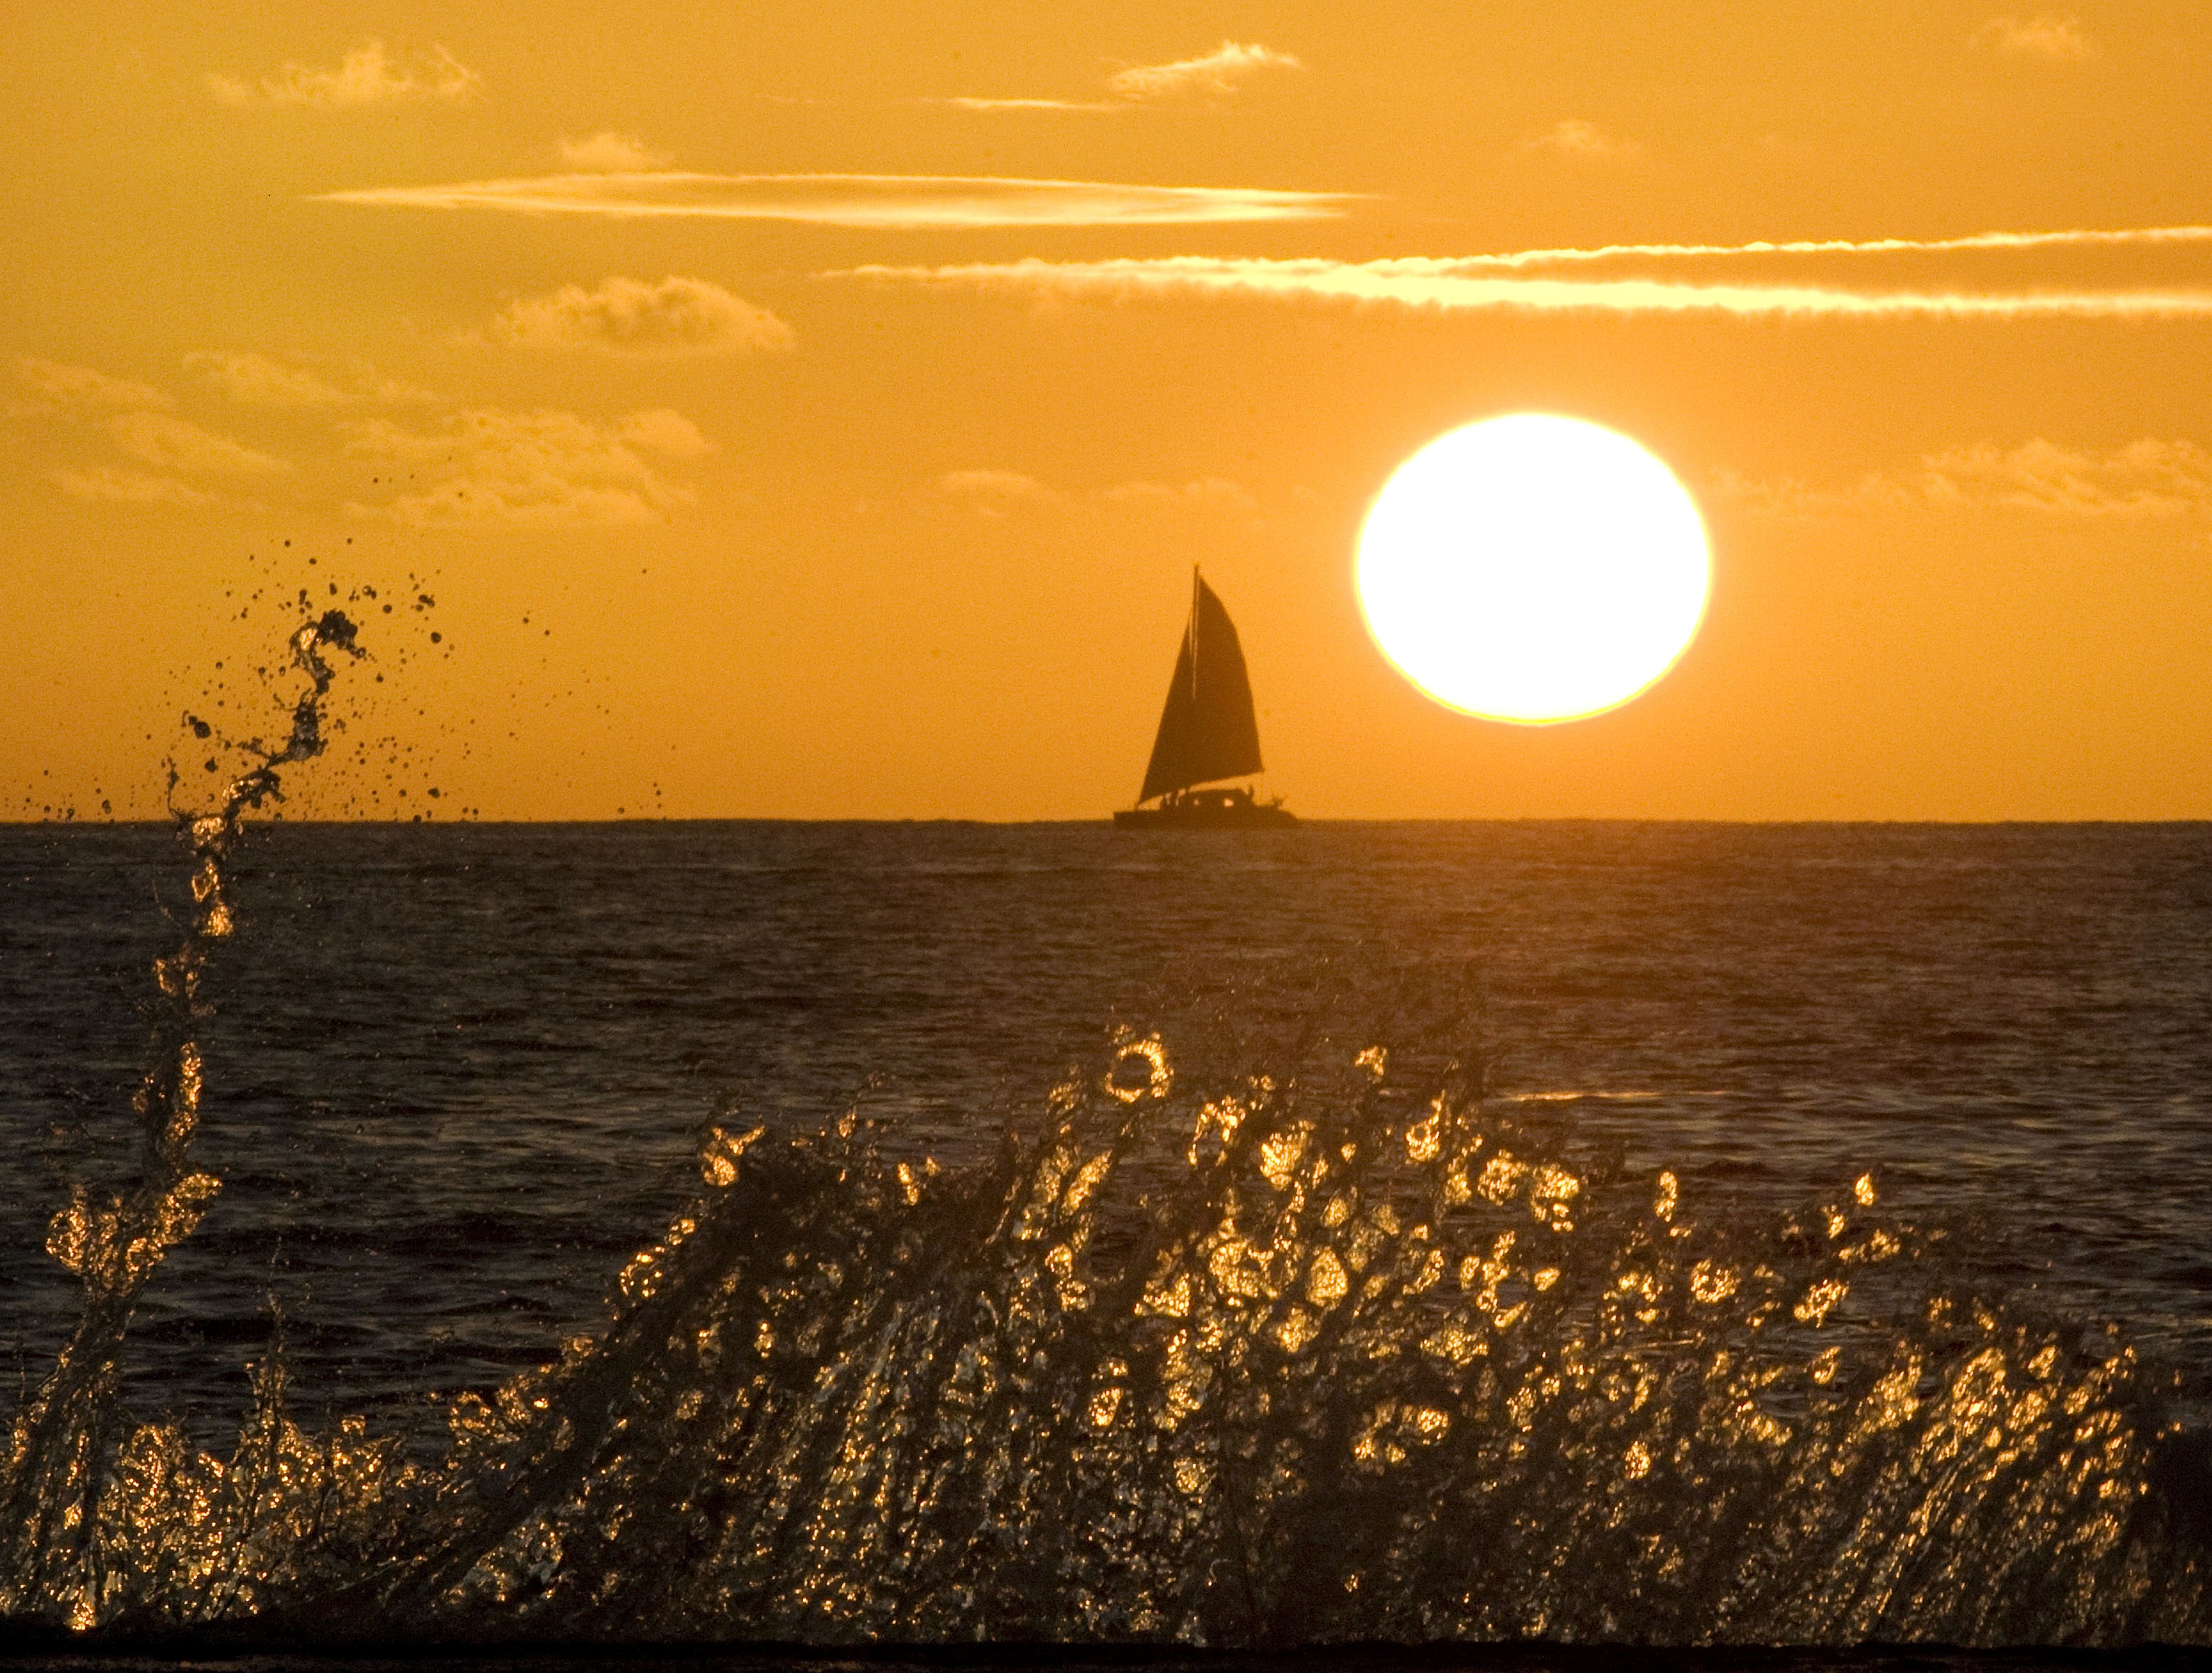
<point x="1192" y="631"/>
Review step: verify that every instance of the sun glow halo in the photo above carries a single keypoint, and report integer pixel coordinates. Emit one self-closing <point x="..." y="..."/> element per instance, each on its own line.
<point x="1532" y="568"/>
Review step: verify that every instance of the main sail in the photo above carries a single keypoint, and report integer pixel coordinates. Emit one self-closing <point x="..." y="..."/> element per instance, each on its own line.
<point x="1207" y="729"/>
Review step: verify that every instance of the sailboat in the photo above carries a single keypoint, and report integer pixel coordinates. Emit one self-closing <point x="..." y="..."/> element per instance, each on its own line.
<point x="1207" y="733"/>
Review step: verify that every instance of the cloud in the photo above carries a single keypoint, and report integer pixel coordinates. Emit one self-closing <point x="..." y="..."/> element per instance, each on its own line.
<point x="666" y="432"/>
<point x="488" y="467"/>
<point x="990" y="491"/>
<point x="965" y="103"/>
<point x="2046" y="35"/>
<point x="2146" y="478"/>
<point x="368" y="77"/>
<point x="2150" y="478"/>
<point x="610" y="153"/>
<point x="1573" y="137"/>
<point x="81" y="386"/>
<point x="1425" y="283"/>
<point x="877" y="201"/>
<point x="261" y="380"/>
<point x="162" y="440"/>
<point x="994" y="484"/>
<point x="1208" y="494"/>
<point x="669" y="318"/>
<point x="131" y="487"/>
<point x="2075" y="238"/>
<point x="994" y="492"/>
<point x="1218" y="74"/>
<point x="1792" y="497"/>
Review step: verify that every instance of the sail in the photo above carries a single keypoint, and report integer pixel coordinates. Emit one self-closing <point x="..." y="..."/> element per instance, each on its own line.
<point x="1207" y="730"/>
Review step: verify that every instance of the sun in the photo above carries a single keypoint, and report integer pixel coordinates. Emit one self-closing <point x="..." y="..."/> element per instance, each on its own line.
<point x="1532" y="568"/>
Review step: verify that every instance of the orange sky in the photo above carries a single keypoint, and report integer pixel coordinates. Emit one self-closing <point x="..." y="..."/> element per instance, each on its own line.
<point x="819" y="382"/>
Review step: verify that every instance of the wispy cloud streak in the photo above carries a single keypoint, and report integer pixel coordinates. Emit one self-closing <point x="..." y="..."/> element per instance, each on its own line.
<point x="2079" y="239"/>
<point x="968" y="102"/>
<point x="880" y="200"/>
<point x="1419" y="283"/>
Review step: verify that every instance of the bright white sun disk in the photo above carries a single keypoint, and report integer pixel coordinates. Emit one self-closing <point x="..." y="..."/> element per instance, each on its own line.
<point x="1532" y="568"/>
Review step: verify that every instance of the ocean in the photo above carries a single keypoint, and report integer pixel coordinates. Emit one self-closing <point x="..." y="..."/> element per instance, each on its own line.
<point x="1545" y="1234"/>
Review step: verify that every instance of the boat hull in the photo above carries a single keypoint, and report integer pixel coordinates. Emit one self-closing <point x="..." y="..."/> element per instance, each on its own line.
<point x="1241" y="817"/>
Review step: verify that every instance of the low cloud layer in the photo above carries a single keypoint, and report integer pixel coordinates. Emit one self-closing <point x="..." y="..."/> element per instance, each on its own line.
<point x="1421" y="284"/>
<point x="483" y="467"/>
<point x="488" y="466"/>
<point x="258" y="380"/>
<point x="131" y="487"/>
<point x="263" y="380"/>
<point x="877" y="201"/>
<point x="2150" y="478"/>
<point x="164" y="440"/>
<point x="2046" y="35"/>
<point x="668" y="318"/>
<point x="369" y="75"/>
<point x="136" y="421"/>
<point x="81" y="386"/>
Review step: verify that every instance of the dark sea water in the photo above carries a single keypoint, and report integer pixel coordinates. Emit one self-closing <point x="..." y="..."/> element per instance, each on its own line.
<point x="1546" y="1233"/>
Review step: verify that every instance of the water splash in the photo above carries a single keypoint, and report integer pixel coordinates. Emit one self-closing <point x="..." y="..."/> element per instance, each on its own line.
<point x="1282" y="1365"/>
<point x="54" y="1473"/>
<point x="1287" y="1342"/>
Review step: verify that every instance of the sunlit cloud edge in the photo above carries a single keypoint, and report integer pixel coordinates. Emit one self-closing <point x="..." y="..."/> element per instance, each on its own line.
<point x="881" y="201"/>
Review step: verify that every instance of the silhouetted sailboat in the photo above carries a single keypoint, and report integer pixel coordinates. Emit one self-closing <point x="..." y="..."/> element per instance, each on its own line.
<point x="1208" y="731"/>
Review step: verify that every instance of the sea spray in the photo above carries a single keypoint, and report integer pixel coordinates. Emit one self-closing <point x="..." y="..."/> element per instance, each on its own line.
<point x="1333" y="1372"/>
<point x="55" y="1468"/>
